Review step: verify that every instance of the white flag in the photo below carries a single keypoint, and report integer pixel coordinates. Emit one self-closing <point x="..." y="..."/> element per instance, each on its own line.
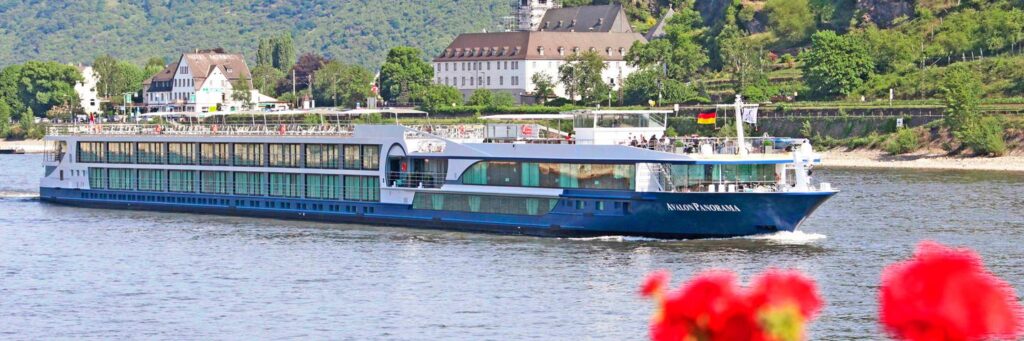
<point x="750" y="115"/>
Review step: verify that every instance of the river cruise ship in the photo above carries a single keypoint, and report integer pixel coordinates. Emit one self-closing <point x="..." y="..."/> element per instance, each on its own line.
<point x="511" y="178"/>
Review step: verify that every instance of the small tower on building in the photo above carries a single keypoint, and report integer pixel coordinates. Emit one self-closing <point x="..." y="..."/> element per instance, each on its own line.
<point x="530" y="12"/>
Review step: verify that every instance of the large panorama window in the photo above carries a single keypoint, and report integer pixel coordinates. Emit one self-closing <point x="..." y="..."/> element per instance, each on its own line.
<point x="248" y="154"/>
<point x="151" y="152"/>
<point x="284" y="155"/>
<point x="551" y="175"/>
<point x="322" y="156"/>
<point x="90" y="152"/>
<point x="693" y="177"/>
<point x="483" y="203"/>
<point x="120" y="152"/>
<point x="213" y="154"/>
<point x="181" y="153"/>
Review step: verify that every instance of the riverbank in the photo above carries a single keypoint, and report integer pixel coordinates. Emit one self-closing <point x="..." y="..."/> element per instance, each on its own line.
<point x="920" y="160"/>
<point x="30" y="146"/>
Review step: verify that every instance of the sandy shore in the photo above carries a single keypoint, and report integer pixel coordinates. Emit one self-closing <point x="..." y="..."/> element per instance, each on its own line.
<point x="30" y="146"/>
<point x="920" y="160"/>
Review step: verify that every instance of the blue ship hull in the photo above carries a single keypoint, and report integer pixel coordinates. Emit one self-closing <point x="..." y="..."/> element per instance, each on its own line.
<point x="577" y="213"/>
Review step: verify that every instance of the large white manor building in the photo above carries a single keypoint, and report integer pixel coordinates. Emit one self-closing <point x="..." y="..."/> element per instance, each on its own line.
<point x="198" y="82"/>
<point x="507" y="61"/>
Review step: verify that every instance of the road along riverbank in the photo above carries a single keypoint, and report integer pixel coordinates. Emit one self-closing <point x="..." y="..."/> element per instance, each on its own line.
<point x="29" y="146"/>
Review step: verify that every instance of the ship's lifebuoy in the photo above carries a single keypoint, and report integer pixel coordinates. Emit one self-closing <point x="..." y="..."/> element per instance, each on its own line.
<point x="159" y="129"/>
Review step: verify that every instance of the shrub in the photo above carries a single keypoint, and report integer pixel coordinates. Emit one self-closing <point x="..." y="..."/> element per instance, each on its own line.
<point x="904" y="141"/>
<point x="984" y="137"/>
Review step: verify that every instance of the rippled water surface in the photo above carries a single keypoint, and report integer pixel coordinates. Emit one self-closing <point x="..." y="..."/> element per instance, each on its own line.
<point x="72" y="272"/>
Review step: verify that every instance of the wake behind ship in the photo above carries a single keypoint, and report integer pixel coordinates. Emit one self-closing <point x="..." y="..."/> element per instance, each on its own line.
<point x="522" y="178"/>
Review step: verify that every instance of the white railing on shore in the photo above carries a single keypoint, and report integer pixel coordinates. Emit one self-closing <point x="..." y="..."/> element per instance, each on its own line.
<point x="201" y="129"/>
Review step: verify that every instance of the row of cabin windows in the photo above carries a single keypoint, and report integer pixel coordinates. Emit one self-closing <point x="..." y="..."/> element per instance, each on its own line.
<point x="551" y="175"/>
<point x="287" y="185"/>
<point x="288" y="155"/>
<point x="226" y="202"/>
<point x="494" y="204"/>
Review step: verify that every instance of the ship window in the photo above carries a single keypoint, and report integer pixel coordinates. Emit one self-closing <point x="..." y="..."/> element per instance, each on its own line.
<point x="285" y="185"/>
<point x="181" y="181"/>
<point x="120" y="152"/>
<point x="322" y="156"/>
<point x="371" y="157"/>
<point x="181" y="154"/>
<point x="352" y="156"/>
<point x="284" y="155"/>
<point x="362" y="188"/>
<point x="90" y="152"/>
<point x="250" y="183"/>
<point x="320" y="186"/>
<point x="151" y="152"/>
<point x="151" y="180"/>
<point x="119" y="178"/>
<point x="551" y="175"/>
<point x="493" y="204"/>
<point x="697" y="177"/>
<point x="247" y="154"/>
<point x="213" y="182"/>
<point x="97" y="178"/>
<point x="213" y="154"/>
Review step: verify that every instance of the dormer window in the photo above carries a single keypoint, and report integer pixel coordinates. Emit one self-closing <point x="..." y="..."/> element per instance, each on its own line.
<point x="608" y="50"/>
<point x="561" y="51"/>
<point x="540" y="50"/>
<point x="622" y="51"/>
<point x="592" y="49"/>
<point x="576" y="49"/>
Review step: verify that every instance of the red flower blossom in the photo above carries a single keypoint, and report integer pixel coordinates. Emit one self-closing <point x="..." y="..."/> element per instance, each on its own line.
<point x="784" y="301"/>
<point x="946" y="294"/>
<point x="655" y="283"/>
<point x="710" y="305"/>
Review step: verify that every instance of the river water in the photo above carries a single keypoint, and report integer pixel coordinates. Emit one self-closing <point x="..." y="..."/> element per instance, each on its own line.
<point x="89" y="273"/>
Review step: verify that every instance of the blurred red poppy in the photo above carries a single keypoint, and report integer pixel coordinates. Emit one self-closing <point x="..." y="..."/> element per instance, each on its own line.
<point x="784" y="300"/>
<point x="655" y="283"/>
<point x="947" y="294"/>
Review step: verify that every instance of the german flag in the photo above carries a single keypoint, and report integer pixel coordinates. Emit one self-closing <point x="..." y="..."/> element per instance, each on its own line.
<point x="706" y="117"/>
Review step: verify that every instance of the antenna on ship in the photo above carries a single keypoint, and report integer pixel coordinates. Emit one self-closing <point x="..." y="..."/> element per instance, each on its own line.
<point x="738" y="106"/>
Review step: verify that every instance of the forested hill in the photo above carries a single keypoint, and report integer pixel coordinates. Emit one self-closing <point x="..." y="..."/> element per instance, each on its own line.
<point x="357" y="31"/>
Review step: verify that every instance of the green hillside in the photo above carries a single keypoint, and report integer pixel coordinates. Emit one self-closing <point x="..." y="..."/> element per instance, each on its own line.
<point x="356" y="31"/>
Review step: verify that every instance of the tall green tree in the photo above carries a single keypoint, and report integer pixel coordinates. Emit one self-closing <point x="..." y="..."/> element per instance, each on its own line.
<point x="10" y="78"/>
<point x="265" y="53"/>
<point x="403" y="70"/>
<point x="581" y="76"/>
<point x="283" y="52"/>
<point x="543" y="87"/>
<point x="962" y="93"/>
<point x="648" y="85"/>
<point x="790" y="20"/>
<point x="42" y="85"/>
<point x="835" y="64"/>
<point x="343" y="84"/>
<point x="105" y="67"/>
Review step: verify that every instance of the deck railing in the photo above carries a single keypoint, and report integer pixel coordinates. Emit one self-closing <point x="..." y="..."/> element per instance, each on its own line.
<point x="201" y="129"/>
<point x="719" y="145"/>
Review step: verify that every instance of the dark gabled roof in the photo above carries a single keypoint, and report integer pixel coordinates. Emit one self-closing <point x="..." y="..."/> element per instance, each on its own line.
<point x="658" y="30"/>
<point x="602" y="18"/>
<point x="161" y="81"/>
<point x="536" y="45"/>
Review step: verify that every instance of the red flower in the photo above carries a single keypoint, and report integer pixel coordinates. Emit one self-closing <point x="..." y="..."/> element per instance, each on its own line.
<point x="784" y="301"/>
<point x="655" y="283"/>
<point x="711" y="305"/>
<point x="946" y="294"/>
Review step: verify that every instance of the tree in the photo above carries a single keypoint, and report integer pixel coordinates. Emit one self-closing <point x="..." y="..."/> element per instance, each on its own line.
<point x="301" y="72"/>
<point x="153" y="66"/>
<point x="678" y="59"/>
<point x="42" y="85"/>
<point x="893" y="50"/>
<point x="105" y="67"/>
<point x="10" y="78"/>
<point x="543" y="87"/>
<point x="265" y="79"/>
<point x="343" y="83"/>
<point x="118" y="77"/>
<point x="790" y="20"/>
<point x="5" y="117"/>
<point x="241" y="91"/>
<point x="265" y="53"/>
<point x="835" y="64"/>
<point x="581" y="75"/>
<point x="403" y="70"/>
<point x="483" y="97"/>
<point x="646" y="85"/>
<point x="745" y="59"/>
<point x="283" y="55"/>
<point x="436" y="96"/>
